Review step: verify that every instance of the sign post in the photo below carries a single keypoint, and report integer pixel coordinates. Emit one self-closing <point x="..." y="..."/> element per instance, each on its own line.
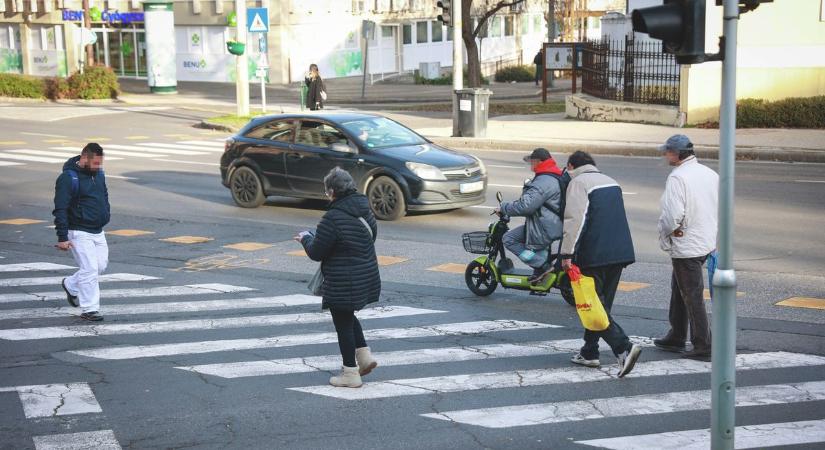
<point x="257" y="21"/>
<point x="560" y="56"/>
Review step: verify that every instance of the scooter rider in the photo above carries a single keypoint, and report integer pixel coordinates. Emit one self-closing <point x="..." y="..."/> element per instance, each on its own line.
<point x="540" y="204"/>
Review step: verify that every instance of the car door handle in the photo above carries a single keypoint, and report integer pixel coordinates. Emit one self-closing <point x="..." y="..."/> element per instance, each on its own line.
<point x="294" y="156"/>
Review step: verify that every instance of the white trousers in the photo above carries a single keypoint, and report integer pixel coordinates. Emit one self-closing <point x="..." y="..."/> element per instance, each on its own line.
<point x="91" y="253"/>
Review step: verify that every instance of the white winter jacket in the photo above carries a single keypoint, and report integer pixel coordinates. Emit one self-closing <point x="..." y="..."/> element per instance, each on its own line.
<point x="689" y="205"/>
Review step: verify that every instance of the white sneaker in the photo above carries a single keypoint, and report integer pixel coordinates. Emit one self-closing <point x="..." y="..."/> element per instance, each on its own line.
<point x="349" y="378"/>
<point x="366" y="363"/>
<point x="628" y="359"/>
<point x="580" y="360"/>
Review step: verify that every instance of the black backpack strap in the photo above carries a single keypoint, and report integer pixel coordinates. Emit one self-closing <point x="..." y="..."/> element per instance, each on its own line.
<point x="557" y="211"/>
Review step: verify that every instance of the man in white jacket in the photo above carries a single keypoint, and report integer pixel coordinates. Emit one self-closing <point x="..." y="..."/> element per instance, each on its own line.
<point x="687" y="231"/>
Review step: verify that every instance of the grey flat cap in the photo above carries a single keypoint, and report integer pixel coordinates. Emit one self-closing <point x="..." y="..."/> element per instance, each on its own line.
<point x="677" y="143"/>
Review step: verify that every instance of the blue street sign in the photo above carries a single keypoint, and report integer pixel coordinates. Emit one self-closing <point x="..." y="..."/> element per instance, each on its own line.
<point x="257" y="20"/>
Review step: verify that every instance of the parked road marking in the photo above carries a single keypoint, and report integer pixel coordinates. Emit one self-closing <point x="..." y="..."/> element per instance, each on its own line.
<point x="248" y="246"/>
<point x="24" y="334"/>
<point x="20" y="221"/>
<point x="774" y="435"/>
<point x="48" y="400"/>
<point x="164" y="291"/>
<point x="171" y="307"/>
<point x="544" y="377"/>
<point x="24" y="267"/>
<point x="188" y="348"/>
<point x="639" y="405"/>
<point x="187" y="239"/>
<point x="804" y="302"/>
<point x="97" y="440"/>
<point x="129" y="233"/>
<point x="39" y="281"/>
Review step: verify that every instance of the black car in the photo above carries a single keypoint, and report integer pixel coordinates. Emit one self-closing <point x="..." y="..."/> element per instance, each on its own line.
<point x="396" y="168"/>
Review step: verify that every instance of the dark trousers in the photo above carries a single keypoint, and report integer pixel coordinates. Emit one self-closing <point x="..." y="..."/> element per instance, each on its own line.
<point x="350" y="335"/>
<point x="538" y="74"/>
<point x="687" y="304"/>
<point x="606" y="279"/>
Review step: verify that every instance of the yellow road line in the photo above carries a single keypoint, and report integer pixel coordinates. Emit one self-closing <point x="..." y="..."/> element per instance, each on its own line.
<point x="803" y="302"/>
<point x="630" y="286"/>
<point x="297" y="253"/>
<point x="12" y="142"/>
<point x="136" y="138"/>
<point x="129" y="233"/>
<point x="390" y="260"/>
<point x="248" y="246"/>
<point x="20" y="221"/>
<point x="449" y="268"/>
<point x="187" y="239"/>
<point x="97" y="139"/>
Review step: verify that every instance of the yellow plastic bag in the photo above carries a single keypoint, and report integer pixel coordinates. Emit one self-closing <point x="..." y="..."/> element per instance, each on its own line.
<point x="590" y="309"/>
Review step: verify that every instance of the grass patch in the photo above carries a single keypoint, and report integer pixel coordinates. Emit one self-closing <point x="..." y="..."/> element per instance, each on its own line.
<point x="232" y="120"/>
<point x="496" y="109"/>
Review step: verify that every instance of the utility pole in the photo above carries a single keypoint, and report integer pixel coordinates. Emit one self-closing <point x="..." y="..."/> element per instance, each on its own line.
<point x="551" y="37"/>
<point x="241" y="61"/>
<point x="458" y="58"/>
<point x="87" y="23"/>
<point x="723" y="375"/>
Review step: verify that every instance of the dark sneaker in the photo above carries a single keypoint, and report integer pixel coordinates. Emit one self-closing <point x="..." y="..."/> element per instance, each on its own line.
<point x="540" y="274"/>
<point x="628" y="359"/>
<point x="669" y="346"/>
<point x="72" y="299"/>
<point x="92" y="316"/>
<point x="701" y="353"/>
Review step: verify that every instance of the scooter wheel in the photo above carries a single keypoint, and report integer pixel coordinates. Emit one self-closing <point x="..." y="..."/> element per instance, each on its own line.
<point x="480" y="279"/>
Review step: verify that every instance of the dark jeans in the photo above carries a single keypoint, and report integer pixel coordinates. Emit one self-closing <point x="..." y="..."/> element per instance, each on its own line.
<point x="538" y="73"/>
<point x="687" y="303"/>
<point x="350" y="335"/>
<point x="606" y="279"/>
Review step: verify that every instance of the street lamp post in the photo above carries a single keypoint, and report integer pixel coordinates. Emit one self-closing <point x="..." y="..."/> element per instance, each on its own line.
<point x="241" y="62"/>
<point x="458" y="58"/>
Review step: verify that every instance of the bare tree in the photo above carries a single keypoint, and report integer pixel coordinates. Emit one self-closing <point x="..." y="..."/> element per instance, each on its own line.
<point x="469" y="33"/>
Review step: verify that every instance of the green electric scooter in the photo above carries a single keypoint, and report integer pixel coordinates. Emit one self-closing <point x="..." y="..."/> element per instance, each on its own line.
<point x="484" y="274"/>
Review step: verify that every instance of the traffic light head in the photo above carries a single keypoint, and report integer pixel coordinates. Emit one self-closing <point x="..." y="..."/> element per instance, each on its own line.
<point x="679" y="24"/>
<point x="446" y="16"/>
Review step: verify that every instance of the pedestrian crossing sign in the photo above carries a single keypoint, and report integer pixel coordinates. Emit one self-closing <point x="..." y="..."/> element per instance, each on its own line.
<point x="257" y="20"/>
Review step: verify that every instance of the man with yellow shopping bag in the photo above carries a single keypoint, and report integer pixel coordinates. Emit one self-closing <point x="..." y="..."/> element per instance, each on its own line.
<point x="597" y="240"/>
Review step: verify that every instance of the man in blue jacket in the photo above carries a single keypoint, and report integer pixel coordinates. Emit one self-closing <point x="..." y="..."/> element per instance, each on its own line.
<point x="81" y="210"/>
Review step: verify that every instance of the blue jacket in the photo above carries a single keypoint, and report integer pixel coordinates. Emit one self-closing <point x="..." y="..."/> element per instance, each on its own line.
<point x="596" y="232"/>
<point x="88" y="210"/>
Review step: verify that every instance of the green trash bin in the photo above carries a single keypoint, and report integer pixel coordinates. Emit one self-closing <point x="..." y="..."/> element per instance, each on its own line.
<point x="473" y="110"/>
<point x="304" y="90"/>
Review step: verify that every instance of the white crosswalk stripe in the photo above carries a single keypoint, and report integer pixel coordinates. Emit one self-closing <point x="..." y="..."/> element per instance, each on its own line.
<point x="48" y="400"/>
<point x="164" y="150"/>
<point x="25" y="267"/>
<point x="113" y="152"/>
<point x="54" y="153"/>
<point x="639" y="405"/>
<point x="397" y="358"/>
<point x="166" y="291"/>
<point x="451" y="329"/>
<point x="22" y="334"/>
<point x="170" y="307"/>
<point x="40" y="281"/>
<point x="87" y="440"/>
<point x="748" y="436"/>
<point x="209" y="144"/>
<point x="10" y="163"/>
<point x="192" y="149"/>
<point x="543" y="377"/>
<point x="43" y="159"/>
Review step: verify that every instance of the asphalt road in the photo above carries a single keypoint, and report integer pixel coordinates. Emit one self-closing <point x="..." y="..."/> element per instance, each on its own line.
<point x="156" y="373"/>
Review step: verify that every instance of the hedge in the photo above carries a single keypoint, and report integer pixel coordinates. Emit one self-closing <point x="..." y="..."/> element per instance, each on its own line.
<point x="799" y="112"/>
<point x="21" y="86"/>
<point x="444" y="80"/>
<point x="516" y="73"/>
<point x="94" y="83"/>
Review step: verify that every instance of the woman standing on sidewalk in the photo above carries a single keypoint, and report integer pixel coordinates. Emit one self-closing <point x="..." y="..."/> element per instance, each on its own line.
<point x="316" y="93"/>
<point x="344" y="243"/>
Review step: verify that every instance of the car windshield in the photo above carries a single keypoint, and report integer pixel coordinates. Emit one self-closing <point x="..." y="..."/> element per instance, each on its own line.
<point x="379" y="132"/>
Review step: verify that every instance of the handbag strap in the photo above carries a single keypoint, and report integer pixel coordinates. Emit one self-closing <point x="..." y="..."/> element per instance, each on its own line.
<point x="364" y="221"/>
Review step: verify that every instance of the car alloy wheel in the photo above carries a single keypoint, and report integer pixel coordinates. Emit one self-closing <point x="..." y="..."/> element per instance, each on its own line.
<point x="386" y="199"/>
<point x="246" y="188"/>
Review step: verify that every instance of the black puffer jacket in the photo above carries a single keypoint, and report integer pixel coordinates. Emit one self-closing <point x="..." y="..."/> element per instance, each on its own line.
<point x="347" y="253"/>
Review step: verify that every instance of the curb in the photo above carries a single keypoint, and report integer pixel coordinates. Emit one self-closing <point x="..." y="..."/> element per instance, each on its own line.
<point x="642" y="149"/>
<point x="76" y="102"/>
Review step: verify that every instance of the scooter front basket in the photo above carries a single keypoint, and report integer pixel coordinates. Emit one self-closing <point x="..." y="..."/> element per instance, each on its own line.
<point x="477" y="242"/>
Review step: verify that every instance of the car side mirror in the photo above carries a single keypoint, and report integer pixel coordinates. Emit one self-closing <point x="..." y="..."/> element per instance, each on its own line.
<point x="343" y="148"/>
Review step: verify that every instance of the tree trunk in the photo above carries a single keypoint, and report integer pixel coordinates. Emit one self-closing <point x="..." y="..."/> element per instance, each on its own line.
<point x="473" y="63"/>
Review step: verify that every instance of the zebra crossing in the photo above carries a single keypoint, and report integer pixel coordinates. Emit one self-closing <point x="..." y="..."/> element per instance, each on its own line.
<point x="58" y="154"/>
<point x="421" y="341"/>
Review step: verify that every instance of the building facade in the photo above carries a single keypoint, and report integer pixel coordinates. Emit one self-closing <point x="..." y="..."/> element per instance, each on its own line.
<point x="44" y="37"/>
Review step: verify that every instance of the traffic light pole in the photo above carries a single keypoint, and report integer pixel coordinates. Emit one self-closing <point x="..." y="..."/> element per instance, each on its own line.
<point x="458" y="58"/>
<point x="723" y="375"/>
<point x="241" y="62"/>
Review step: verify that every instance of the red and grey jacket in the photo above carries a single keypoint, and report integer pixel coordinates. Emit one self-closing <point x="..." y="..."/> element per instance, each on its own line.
<point x="596" y="232"/>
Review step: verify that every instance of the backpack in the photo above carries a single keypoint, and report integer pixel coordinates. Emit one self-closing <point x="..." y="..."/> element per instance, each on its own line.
<point x="564" y="180"/>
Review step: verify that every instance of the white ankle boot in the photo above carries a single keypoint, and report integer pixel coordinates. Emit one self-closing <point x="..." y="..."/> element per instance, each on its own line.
<point x="349" y="378"/>
<point x="365" y="360"/>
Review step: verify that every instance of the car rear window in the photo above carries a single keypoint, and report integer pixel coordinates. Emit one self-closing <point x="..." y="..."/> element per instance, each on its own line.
<point x="277" y="130"/>
<point x="380" y="132"/>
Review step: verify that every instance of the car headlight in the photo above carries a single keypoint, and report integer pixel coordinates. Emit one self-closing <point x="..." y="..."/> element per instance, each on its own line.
<point x="481" y="165"/>
<point x="426" y="171"/>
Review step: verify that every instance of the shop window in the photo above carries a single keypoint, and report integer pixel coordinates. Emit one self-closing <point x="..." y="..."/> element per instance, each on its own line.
<point x="421" y="33"/>
<point x="387" y="32"/>
<point x="508" y="26"/>
<point x="495" y="27"/>
<point x="357" y="6"/>
<point x="438" y="31"/>
<point x="6" y="34"/>
<point x="407" y="31"/>
<point x="216" y="41"/>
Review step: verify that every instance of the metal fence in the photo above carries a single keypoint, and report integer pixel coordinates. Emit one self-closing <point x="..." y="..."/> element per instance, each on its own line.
<point x="629" y="71"/>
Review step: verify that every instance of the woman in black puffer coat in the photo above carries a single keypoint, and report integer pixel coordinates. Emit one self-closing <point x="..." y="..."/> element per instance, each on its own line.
<point x="344" y="244"/>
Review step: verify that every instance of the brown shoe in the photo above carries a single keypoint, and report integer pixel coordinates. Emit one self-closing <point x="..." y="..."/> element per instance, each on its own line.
<point x="700" y="353"/>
